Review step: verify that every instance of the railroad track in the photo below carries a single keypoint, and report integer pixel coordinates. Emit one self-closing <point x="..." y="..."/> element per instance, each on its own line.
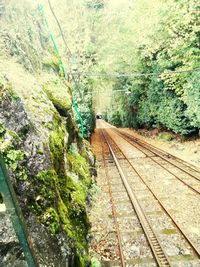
<point x="159" y="253"/>
<point x="173" y="160"/>
<point x="186" y="166"/>
<point x="114" y="213"/>
<point x="191" y="171"/>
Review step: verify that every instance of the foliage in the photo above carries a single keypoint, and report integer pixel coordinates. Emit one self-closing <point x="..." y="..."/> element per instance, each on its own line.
<point x="13" y="156"/>
<point x="85" y="105"/>
<point x="165" y="136"/>
<point x="169" y="95"/>
<point x="95" y="263"/>
<point x="48" y="180"/>
<point x="95" y="4"/>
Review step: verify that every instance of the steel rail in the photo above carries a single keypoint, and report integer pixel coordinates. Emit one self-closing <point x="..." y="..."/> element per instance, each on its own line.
<point x="168" y="155"/>
<point x="197" y="251"/>
<point x="122" y="259"/>
<point x="185" y="183"/>
<point x="157" y="249"/>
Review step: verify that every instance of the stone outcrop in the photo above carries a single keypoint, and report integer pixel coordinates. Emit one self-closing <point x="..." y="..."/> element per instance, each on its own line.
<point x="49" y="163"/>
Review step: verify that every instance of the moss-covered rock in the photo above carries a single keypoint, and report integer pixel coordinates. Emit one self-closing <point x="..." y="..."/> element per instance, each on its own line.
<point x="58" y="93"/>
<point x="52" y="62"/>
<point x="51" y="176"/>
<point x="79" y="165"/>
<point x="49" y="163"/>
<point x="52" y="220"/>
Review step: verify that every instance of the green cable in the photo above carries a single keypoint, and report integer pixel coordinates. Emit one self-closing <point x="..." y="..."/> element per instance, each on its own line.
<point x="41" y="10"/>
<point x="79" y="116"/>
<point x="57" y="52"/>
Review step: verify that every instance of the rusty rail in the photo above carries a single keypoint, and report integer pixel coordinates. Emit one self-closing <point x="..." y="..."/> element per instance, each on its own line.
<point x="181" y="230"/>
<point x="162" y="154"/>
<point x="122" y="259"/>
<point x="133" y="141"/>
<point x="157" y="249"/>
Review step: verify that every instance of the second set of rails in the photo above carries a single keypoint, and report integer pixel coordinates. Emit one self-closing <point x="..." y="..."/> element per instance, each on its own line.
<point x="160" y="256"/>
<point x="192" y="172"/>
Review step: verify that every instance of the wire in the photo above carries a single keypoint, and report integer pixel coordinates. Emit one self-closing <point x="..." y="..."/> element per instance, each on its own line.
<point x="134" y="74"/>
<point x="41" y="10"/>
<point x="99" y="92"/>
<point x="65" y="42"/>
<point x="60" y="28"/>
<point x="108" y="74"/>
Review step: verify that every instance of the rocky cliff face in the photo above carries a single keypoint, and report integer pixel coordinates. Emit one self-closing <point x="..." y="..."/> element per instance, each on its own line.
<point x="49" y="163"/>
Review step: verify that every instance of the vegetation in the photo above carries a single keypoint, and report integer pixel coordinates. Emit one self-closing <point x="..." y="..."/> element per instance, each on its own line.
<point x="137" y="62"/>
<point x="49" y="163"/>
<point x="57" y="194"/>
<point x="156" y="51"/>
<point x="60" y="98"/>
<point x="153" y="45"/>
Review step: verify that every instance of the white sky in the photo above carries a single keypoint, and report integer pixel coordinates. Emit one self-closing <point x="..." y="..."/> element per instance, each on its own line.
<point x="119" y="4"/>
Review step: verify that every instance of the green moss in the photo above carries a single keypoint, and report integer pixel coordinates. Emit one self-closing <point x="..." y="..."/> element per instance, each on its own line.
<point x="70" y="199"/>
<point x="47" y="181"/>
<point x="52" y="63"/>
<point x="57" y="197"/>
<point x="44" y="189"/>
<point x="57" y="147"/>
<point x="78" y="198"/>
<point x="47" y="177"/>
<point x="73" y="203"/>
<point x="6" y="90"/>
<point x="52" y="220"/>
<point x="95" y="262"/>
<point x="63" y="212"/>
<point x="78" y="185"/>
<point x="36" y="208"/>
<point x="58" y="92"/>
<point x="165" y="136"/>
<point x="2" y="130"/>
<point x="40" y="151"/>
<point x="77" y="203"/>
<point x="79" y="166"/>
<point x="44" y="203"/>
<point x="9" y="139"/>
<point x="81" y="260"/>
<point x="66" y="207"/>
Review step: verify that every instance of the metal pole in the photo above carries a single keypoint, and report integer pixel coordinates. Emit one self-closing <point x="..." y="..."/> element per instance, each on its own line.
<point x="12" y="207"/>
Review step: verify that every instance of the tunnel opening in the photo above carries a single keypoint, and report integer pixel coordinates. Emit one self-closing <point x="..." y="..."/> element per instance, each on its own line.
<point x="98" y="116"/>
